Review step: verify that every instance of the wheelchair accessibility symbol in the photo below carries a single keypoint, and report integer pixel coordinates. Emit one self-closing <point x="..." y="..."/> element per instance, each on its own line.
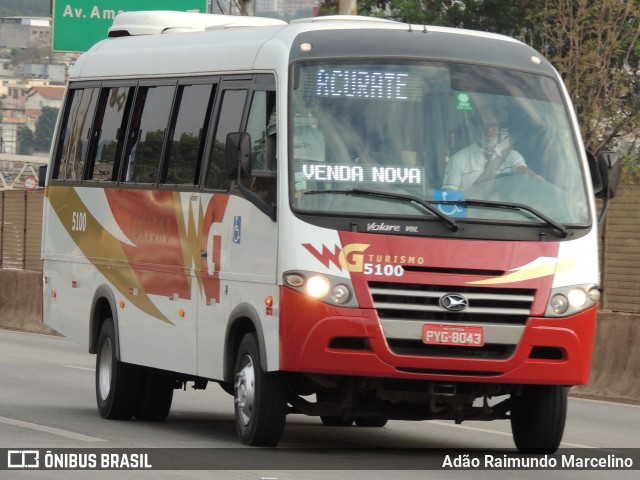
<point x="237" y="229"/>
<point x="450" y="209"/>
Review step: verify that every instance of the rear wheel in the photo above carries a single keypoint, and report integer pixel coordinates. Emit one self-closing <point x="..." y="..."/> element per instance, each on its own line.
<point x="116" y="381"/>
<point x="538" y="417"/>
<point x="155" y="395"/>
<point x="260" y="397"/>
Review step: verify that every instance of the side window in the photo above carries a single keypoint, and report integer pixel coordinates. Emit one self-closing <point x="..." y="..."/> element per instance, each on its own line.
<point x="109" y="135"/>
<point x="146" y="133"/>
<point x="75" y="143"/>
<point x="187" y="134"/>
<point x="228" y="121"/>
<point x="261" y="126"/>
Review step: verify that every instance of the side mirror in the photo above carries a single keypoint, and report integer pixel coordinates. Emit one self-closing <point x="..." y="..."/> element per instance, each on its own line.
<point x="42" y="175"/>
<point x="609" y="168"/>
<point x="596" y="178"/>
<point x="238" y="155"/>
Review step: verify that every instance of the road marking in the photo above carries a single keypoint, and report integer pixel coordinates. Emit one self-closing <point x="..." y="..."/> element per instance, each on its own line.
<point x="495" y="432"/>
<point x="605" y="402"/>
<point x="51" y="430"/>
<point x="90" y="369"/>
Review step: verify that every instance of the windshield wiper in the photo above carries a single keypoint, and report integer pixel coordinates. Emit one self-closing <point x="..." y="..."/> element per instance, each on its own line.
<point x="564" y="231"/>
<point x="394" y="196"/>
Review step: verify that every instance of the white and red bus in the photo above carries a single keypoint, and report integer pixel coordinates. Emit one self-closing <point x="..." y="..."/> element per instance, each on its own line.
<point x="264" y="205"/>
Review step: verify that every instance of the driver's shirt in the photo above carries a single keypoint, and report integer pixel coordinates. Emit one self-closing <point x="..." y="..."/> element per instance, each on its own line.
<point x="465" y="166"/>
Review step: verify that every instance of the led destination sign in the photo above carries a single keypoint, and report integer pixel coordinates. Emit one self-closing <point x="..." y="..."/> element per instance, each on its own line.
<point x="362" y="84"/>
<point x="362" y="174"/>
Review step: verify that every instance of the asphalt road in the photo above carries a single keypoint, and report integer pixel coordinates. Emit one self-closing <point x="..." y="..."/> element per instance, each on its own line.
<point x="47" y="401"/>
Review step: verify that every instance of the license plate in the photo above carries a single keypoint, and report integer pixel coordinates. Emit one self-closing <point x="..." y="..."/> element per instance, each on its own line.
<point x="453" y="335"/>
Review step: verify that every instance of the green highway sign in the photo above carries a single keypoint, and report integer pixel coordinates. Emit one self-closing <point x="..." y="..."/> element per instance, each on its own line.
<point x="78" y="24"/>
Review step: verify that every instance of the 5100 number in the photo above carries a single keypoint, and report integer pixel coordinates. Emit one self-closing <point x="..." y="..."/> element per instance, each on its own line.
<point x="79" y="221"/>
<point x="385" y="270"/>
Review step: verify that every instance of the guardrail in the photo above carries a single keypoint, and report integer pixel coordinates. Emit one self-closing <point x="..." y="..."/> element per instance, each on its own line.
<point x="20" y="229"/>
<point x="19" y="172"/>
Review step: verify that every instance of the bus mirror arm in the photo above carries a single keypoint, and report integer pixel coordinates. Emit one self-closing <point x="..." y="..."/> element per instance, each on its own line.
<point x="238" y="157"/>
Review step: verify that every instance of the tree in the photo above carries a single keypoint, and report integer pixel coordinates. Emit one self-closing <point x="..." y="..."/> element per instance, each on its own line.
<point x="44" y="129"/>
<point x="594" y="45"/>
<point x="488" y="15"/>
<point x="25" y="141"/>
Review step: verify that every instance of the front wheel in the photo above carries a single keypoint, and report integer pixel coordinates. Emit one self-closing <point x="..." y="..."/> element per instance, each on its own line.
<point x="537" y="418"/>
<point x="116" y="381"/>
<point x="260" y="397"/>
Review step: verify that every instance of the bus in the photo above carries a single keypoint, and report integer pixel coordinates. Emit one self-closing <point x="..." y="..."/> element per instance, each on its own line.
<point x="273" y="207"/>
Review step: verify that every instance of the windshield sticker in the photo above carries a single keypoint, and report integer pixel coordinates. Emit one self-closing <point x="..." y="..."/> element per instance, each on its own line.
<point x="450" y="202"/>
<point x="463" y="101"/>
<point x="361" y="174"/>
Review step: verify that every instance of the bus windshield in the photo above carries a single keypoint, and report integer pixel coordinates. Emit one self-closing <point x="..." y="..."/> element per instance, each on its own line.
<point x="474" y="142"/>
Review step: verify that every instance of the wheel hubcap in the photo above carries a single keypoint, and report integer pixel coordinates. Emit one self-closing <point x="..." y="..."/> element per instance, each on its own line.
<point x="104" y="368"/>
<point x="245" y="391"/>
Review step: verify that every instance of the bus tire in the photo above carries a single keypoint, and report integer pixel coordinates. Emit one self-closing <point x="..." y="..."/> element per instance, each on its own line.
<point x="116" y="381"/>
<point x="372" y="422"/>
<point x="260" y="397"/>
<point x="155" y="395"/>
<point x="538" y="417"/>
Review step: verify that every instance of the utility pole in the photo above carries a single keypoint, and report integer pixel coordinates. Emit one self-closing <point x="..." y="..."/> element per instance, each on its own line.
<point x="347" y="7"/>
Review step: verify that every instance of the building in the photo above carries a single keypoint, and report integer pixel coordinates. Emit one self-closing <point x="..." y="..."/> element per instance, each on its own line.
<point x="55" y="73"/>
<point x="38" y="97"/>
<point x="22" y="107"/>
<point x="21" y="32"/>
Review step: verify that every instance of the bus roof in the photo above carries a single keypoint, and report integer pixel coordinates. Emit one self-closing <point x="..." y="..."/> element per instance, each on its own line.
<point x="164" y="21"/>
<point x="161" y="43"/>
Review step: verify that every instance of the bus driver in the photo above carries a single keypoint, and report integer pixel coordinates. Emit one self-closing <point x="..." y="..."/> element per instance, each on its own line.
<point x="485" y="158"/>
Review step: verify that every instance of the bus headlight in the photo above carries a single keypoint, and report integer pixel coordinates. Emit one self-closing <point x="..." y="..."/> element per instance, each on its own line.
<point x="565" y="301"/>
<point x="559" y="304"/>
<point x="340" y="294"/>
<point x="325" y="288"/>
<point x="577" y="298"/>
<point x="318" y="286"/>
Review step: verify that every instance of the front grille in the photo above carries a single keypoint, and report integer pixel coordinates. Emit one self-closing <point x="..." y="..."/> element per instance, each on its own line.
<point x="406" y="301"/>
<point x="418" y="348"/>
